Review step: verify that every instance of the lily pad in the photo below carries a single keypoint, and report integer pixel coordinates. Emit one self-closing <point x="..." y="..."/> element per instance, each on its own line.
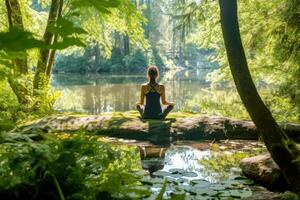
<point x="152" y="181"/>
<point x="205" y="192"/>
<point x="161" y="173"/>
<point x="239" y="178"/>
<point x="182" y="180"/>
<point x="176" y="175"/>
<point x="236" y="193"/>
<point x="177" y="171"/>
<point x="187" y="188"/>
<point x="246" y="181"/>
<point x="218" y="187"/>
<point x="200" y="182"/>
<point x="231" y="183"/>
<point x="189" y="174"/>
<point x="172" y="180"/>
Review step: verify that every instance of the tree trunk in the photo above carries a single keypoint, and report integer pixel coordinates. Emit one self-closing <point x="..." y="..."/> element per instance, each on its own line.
<point x="53" y="51"/>
<point x="126" y="45"/>
<point x="15" y="20"/>
<point x="40" y="76"/>
<point x="97" y="55"/>
<point x="174" y="41"/>
<point x="148" y="17"/>
<point x="284" y="152"/>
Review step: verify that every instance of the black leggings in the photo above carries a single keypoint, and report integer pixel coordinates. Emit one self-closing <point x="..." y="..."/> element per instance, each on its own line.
<point x="162" y="115"/>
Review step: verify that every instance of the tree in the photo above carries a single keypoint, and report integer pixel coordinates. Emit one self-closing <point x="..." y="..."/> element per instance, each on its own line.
<point x="62" y="30"/>
<point x="15" y="21"/>
<point x="284" y="151"/>
<point x="45" y="62"/>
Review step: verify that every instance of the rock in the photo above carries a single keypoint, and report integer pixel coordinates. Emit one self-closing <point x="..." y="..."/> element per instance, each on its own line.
<point x="264" y="170"/>
<point x="127" y="125"/>
<point x="264" y="195"/>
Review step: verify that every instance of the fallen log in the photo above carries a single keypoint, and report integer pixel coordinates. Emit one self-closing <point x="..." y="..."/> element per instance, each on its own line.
<point x="178" y="126"/>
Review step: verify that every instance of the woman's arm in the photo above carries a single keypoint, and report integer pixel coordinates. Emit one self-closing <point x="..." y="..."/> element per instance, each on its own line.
<point x="142" y="97"/>
<point x="163" y="97"/>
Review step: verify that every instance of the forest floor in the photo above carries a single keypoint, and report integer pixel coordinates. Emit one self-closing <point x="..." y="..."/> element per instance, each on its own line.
<point x="177" y="126"/>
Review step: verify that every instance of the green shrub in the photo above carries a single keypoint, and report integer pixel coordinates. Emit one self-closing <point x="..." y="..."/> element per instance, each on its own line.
<point x="136" y="62"/>
<point x="73" y="63"/>
<point x="37" y="166"/>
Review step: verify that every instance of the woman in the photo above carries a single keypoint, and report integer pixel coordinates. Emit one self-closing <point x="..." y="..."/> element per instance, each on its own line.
<point x="153" y="92"/>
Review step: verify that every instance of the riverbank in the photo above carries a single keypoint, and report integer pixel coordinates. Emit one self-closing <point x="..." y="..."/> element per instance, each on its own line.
<point x="177" y="126"/>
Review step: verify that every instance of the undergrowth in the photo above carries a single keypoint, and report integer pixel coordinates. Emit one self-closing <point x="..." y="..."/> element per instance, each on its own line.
<point x="39" y="166"/>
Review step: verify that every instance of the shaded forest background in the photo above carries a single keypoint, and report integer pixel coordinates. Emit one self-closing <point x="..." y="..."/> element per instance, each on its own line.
<point x="166" y="43"/>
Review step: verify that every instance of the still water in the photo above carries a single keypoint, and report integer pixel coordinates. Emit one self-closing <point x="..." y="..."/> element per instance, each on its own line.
<point x="200" y="170"/>
<point x="96" y="93"/>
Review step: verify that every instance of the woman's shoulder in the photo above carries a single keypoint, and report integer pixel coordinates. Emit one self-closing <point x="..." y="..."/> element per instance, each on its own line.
<point x="144" y="85"/>
<point x="161" y="86"/>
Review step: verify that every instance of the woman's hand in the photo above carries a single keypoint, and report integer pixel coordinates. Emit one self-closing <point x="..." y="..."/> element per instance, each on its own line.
<point x="172" y="104"/>
<point x="163" y="97"/>
<point x="138" y="104"/>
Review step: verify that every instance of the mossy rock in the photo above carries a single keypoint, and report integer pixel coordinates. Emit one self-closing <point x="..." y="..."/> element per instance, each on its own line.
<point x="128" y="125"/>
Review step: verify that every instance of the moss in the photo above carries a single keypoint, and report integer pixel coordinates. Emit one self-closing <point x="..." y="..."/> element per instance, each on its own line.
<point x="179" y="125"/>
<point x="289" y="196"/>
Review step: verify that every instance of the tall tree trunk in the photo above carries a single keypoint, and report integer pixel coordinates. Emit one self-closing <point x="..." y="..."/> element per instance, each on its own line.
<point x="148" y="16"/>
<point x="174" y="36"/>
<point x="284" y="152"/>
<point x="126" y="45"/>
<point x="15" y="20"/>
<point x="97" y="55"/>
<point x="53" y="51"/>
<point x="117" y="40"/>
<point x="40" y="78"/>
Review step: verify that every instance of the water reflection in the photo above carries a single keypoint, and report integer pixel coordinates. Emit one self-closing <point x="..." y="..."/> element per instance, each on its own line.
<point x="197" y="160"/>
<point x="105" y="93"/>
<point x="152" y="158"/>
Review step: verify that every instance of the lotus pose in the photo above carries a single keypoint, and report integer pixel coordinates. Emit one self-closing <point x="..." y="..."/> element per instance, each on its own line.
<point x="155" y="95"/>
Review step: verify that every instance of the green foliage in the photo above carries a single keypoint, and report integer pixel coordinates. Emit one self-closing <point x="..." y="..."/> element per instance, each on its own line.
<point x="72" y="63"/>
<point x="78" y="62"/>
<point x="270" y="38"/>
<point x="222" y="160"/>
<point x="103" y="6"/>
<point x="157" y="59"/>
<point x="16" y="40"/>
<point x="8" y="106"/>
<point x="219" y="102"/>
<point x="77" y="166"/>
<point x="135" y="62"/>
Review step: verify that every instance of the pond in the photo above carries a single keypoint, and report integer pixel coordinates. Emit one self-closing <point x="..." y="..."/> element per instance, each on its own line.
<point x="96" y="93"/>
<point x="198" y="170"/>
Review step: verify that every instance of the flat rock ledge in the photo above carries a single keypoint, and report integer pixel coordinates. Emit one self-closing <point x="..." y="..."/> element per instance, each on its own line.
<point x="178" y="126"/>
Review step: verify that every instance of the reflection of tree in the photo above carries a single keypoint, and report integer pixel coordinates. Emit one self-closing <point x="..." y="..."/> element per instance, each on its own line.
<point x="110" y="97"/>
<point x="102" y="93"/>
<point x="187" y="155"/>
<point x="71" y="99"/>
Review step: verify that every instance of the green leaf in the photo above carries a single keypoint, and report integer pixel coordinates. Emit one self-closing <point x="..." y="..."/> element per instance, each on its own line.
<point x="65" y="28"/>
<point x="67" y="42"/>
<point x="102" y="6"/>
<point x="18" y="40"/>
<point x="162" y="191"/>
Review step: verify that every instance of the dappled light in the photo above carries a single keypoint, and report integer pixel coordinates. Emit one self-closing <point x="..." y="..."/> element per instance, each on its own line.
<point x="149" y="99"/>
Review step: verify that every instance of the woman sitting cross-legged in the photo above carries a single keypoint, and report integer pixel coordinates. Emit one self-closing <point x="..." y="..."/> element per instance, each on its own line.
<point x="155" y="95"/>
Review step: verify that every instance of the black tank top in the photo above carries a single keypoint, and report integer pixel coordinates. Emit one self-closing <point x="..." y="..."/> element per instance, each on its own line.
<point x="152" y="107"/>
